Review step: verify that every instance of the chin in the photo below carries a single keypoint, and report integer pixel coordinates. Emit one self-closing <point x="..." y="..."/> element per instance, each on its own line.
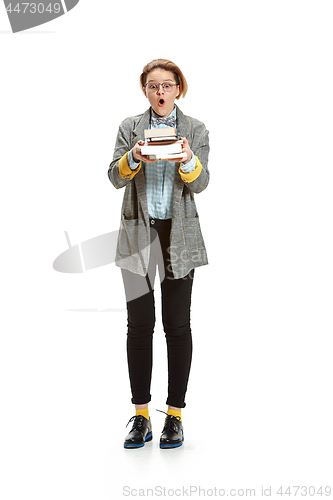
<point x="162" y="110"/>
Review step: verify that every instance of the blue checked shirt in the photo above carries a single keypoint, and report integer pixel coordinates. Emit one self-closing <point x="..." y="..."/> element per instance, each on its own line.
<point x="160" y="177"/>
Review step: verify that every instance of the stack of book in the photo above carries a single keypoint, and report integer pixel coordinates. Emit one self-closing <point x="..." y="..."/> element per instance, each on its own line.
<point x="163" y="144"/>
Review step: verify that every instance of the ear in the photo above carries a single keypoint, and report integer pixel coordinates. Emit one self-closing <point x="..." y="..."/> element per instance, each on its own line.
<point x="145" y="91"/>
<point x="178" y="91"/>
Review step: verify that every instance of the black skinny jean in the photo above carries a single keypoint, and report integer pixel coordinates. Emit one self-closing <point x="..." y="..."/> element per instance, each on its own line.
<point x="176" y="303"/>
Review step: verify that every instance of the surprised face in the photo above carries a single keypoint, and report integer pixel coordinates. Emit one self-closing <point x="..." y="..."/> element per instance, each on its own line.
<point x="161" y="101"/>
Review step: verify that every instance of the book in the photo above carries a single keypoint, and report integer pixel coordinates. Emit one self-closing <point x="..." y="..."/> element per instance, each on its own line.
<point x="168" y="140"/>
<point x="163" y="144"/>
<point x="160" y="132"/>
<point x="162" y="149"/>
<point x="169" y="157"/>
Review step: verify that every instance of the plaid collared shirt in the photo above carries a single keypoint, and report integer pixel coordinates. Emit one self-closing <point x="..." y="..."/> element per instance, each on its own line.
<point x="160" y="177"/>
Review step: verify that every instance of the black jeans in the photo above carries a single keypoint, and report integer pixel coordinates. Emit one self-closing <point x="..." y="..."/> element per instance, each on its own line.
<point x="176" y="302"/>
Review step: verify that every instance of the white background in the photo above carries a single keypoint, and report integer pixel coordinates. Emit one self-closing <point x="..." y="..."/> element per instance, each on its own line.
<point x="259" y="402"/>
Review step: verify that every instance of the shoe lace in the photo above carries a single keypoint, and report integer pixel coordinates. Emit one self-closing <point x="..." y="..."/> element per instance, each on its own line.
<point x="138" y="423"/>
<point x="170" y="422"/>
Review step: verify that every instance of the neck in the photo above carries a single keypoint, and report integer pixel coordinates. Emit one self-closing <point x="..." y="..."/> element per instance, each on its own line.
<point x="160" y="116"/>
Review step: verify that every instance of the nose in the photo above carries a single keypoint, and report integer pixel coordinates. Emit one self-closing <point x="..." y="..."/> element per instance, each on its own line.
<point x="160" y="89"/>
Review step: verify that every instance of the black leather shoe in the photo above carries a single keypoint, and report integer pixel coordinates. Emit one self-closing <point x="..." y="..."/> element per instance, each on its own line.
<point x="173" y="433"/>
<point x="140" y="433"/>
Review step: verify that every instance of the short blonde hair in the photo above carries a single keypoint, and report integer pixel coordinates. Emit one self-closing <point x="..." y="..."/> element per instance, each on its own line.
<point x="168" y="66"/>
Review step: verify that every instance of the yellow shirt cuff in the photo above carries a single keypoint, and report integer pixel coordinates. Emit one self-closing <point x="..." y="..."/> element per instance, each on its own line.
<point x="192" y="175"/>
<point x="125" y="170"/>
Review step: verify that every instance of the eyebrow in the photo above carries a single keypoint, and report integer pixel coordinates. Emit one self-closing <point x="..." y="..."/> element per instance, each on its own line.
<point x="167" y="80"/>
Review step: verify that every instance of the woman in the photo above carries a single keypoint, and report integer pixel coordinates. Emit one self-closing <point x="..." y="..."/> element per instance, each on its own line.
<point x="159" y="227"/>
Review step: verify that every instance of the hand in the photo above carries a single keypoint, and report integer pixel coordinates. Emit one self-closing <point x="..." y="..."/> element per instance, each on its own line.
<point x="186" y="149"/>
<point x="136" y="153"/>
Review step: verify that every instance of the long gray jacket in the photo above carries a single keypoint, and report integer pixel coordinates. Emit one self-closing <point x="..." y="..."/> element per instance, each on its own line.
<point x="187" y="248"/>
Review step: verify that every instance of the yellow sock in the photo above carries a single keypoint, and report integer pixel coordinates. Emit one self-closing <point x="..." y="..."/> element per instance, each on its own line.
<point x="175" y="413"/>
<point x="144" y="412"/>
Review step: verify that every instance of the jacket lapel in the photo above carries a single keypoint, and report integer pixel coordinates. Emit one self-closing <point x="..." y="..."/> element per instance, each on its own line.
<point x="183" y="126"/>
<point x="139" y="178"/>
<point x="183" y="130"/>
<point x="140" y="127"/>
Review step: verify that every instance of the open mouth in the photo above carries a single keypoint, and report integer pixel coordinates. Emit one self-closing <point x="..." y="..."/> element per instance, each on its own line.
<point x="161" y="102"/>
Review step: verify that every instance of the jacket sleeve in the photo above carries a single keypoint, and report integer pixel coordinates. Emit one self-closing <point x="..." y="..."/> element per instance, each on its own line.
<point x="119" y="171"/>
<point x="198" y="180"/>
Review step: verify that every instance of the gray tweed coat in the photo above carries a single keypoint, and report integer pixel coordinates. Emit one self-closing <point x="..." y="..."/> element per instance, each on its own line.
<point x="187" y="248"/>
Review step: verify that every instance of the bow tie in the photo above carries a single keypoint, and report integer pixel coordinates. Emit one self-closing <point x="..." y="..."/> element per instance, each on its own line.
<point x="169" y="122"/>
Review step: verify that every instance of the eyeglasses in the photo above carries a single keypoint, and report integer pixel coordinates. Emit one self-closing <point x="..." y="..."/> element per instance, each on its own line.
<point x="154" y="87"/>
